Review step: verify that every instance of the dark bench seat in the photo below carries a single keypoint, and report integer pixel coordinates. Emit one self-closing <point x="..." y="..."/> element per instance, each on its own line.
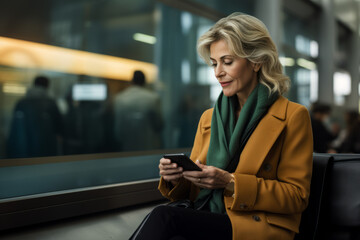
<point x="334" y="205"/>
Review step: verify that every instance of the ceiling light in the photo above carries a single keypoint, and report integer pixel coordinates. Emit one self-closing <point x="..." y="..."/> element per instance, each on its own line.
<point x="287" y="62"/>
<point x="30" y="55"/>
<point x="306" y="64"/>
<point x="144" y="38"/>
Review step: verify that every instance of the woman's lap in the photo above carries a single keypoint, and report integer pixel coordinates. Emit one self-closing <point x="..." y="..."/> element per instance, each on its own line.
<point x="166" y="222"/>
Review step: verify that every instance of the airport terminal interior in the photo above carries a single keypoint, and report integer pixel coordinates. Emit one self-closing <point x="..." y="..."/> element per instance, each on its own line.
<point x="88" y="167"/>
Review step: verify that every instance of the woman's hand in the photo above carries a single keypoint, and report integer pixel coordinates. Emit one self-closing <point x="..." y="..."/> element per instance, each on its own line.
<point x="210" y="177"/>
<point x="170" y="171"/>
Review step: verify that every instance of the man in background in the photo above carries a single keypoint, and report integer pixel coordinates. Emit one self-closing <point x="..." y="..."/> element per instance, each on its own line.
<point x="138" y="122"/>
<point x="36" y="126"/>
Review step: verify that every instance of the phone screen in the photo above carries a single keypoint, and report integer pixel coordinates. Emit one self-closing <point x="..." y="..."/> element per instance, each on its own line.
<point x="183" y="161"/>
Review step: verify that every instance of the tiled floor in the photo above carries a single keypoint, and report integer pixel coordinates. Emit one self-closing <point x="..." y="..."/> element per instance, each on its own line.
<point x="117" y="224"/>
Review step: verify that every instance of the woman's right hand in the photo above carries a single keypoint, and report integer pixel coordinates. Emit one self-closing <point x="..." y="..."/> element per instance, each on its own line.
<point x="170" y="171"/>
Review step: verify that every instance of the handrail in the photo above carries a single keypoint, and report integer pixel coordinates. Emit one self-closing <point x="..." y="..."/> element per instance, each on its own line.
<point x="10" y="162"/>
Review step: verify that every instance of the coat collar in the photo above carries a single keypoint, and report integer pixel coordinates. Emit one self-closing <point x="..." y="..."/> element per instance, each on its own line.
<point x="265" y="135"/>
<point x="278" y="109"/>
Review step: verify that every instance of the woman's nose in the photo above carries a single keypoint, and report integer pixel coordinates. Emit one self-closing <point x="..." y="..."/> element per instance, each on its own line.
<point x="219" y="71"/>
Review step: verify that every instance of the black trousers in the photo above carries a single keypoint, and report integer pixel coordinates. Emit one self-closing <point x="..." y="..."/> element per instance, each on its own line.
<point x="168" y="222"/>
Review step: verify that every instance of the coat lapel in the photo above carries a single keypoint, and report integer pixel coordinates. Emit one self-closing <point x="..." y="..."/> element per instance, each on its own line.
<point x="263" y="138"/>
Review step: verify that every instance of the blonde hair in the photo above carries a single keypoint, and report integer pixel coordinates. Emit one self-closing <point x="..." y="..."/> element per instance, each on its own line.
<point x="247" y="37"/>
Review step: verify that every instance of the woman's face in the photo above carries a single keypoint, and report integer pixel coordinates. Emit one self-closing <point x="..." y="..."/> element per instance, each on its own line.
<point x="236" y="75"/>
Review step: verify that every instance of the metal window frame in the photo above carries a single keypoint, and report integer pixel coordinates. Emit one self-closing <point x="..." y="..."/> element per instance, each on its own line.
<point x="41" y="208"/>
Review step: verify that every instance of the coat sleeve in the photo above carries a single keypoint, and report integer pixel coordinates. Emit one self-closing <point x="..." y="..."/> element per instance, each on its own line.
<point x="288" y="192"/>
<point x="184" y="189"/>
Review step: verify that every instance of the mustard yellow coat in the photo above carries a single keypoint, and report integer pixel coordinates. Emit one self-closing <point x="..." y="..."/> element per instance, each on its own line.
<point x="272" y="179"/>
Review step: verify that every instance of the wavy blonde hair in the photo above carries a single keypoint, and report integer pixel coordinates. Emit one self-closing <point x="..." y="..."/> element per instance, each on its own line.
<point x="247" y="37"/>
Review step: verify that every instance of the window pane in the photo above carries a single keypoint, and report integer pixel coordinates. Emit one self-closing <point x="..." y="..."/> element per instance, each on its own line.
<point x="87" y="52"/>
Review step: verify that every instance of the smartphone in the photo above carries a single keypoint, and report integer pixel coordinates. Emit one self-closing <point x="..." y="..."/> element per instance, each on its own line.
<point x="183" y="161"/>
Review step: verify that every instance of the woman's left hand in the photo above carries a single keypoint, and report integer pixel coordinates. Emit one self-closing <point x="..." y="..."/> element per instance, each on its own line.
<point x="210" y="177"/>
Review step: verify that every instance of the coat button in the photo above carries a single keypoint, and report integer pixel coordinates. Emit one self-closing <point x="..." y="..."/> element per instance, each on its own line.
<point x="267" y="167"/>
<point x="256" y="218"/>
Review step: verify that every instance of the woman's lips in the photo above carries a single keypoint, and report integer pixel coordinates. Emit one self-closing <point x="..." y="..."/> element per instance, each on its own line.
<point x="224" y="84"/>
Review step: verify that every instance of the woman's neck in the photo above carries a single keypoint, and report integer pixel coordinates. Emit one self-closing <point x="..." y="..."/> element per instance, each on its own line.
<point x="241" y="100"/>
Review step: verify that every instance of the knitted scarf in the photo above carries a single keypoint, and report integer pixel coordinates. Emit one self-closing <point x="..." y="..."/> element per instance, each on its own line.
<point x="227" y="135"/>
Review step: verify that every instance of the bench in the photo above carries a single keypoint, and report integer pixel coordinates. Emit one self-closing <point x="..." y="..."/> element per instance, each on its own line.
<point x="333" y="212"/>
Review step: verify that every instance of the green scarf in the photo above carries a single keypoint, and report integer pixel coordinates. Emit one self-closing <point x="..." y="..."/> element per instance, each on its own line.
<point x="227" y="135"/>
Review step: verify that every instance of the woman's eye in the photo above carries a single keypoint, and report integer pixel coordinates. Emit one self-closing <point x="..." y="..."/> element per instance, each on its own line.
<point x="213" y="64"/>
<point x="228" y="63"/>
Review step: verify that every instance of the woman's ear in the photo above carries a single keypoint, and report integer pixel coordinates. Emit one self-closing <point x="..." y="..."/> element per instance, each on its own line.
<point x="256" y="67"/>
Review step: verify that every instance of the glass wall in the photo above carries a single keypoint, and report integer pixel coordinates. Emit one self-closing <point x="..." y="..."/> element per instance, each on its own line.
<point x="66" y="88"/>
<point x="86" y="53"/>
<point x="300" y="56"/>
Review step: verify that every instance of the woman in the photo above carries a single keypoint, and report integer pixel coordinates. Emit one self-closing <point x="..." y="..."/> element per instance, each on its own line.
<point x="266" y="138"/>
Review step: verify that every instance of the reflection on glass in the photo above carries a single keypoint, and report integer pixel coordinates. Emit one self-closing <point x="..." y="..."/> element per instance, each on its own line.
<point x="306" y="81"/>
<point x="138" y="119"/>
<point x="299" y="57"/>
<point x="89" y="92"/>
<point x="307" y="46"/>
<point x="89" y="51"/>
<point x="36" y="127"/>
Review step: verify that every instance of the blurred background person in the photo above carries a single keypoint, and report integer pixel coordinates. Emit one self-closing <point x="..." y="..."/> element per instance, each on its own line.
<point x="36" y="125"/>
<point x="322" y="134"/>
<point x="348" y="140"/>
<point x="137" y="117"/>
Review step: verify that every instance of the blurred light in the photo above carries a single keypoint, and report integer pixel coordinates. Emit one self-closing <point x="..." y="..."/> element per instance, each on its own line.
<point x="359" y="95"/>
<point x="186" y="22"/>
<point x="307" y="46"/>
<point x="339" y="100"/>
<point x="314" y="85"/>
<point x="306" y="64"/>
<point x="144" y="38"/>
<point x="89" y="92"/>
<point x="17" y="89"/>
<point x="287" y="62"/>
<point x="342" y="83"/>
<point x="314" y="49"/>
<point x="30" y="55"/>
<point x="300" y="43"/>
<point x="185" y="71"/>
<point x="215" y="90"/>
<point x="302" y="76"/>
<point x="206" y="76"/>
